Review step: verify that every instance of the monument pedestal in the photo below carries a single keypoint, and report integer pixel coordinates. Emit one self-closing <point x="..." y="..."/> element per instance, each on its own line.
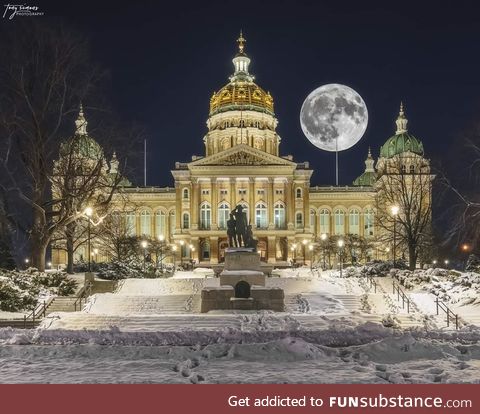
<point x="242" y="285"/>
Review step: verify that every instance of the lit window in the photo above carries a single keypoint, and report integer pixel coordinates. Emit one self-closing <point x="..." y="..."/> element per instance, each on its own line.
<point x="130" y="224"/>
<point x="279" y="211"/>
<point x="160" y="223"/>
<point x="324" y="217"/>
<point x="186" y="221"/>
<point x="205" y="216"/>
<point x="299" y="220"/>
<point x="339" y="222"/>
<point x="223" y="215"/>
<point x="261" y="216"/>
<point x="369" y="223"/>
<point x="354" y="222"/>
<point x="145" y="223"/>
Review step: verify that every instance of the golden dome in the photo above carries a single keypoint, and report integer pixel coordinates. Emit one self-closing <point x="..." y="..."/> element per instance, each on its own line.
<point x="241" y="95"/>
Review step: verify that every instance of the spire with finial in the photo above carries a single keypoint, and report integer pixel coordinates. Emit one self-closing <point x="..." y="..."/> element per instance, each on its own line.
<point x="241" y="43"/>
<point x="114" y="163"/>
<point x="401" y="121"/>
<point x="81" y="123"/>
<point x="241" y="61"/>
<point x="369" y="162"/>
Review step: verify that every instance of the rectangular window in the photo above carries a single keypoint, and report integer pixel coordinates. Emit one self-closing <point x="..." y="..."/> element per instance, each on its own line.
<point x="223" y="192"/>
<point x="242" y="192"/>
<point x="260" y="192"/>
<point x="278" y="192"/>
<point x="205" y="192"/>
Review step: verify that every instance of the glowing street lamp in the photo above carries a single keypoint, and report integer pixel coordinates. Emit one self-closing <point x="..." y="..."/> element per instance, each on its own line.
<point x="144" y="245"/>
<point x="174" y="249"/>
<point x="294" y="250"/>
<point x="95" y="252"/>
<point x="340" y="244"/>
<point x="182" y="242"/>
<point x="89" y="213"/>
<point x="395" y="210"/>
<point x="446" y="261"/>
<point x="310" y="248"/>
<point x="49" y="265"/>
<point x="304" y="244"/>
<point x="434" y="263"/>
<point x="324" y="237"/>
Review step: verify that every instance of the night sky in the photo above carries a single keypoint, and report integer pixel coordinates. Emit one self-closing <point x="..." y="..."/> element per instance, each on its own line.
<point x="167" y="59"/>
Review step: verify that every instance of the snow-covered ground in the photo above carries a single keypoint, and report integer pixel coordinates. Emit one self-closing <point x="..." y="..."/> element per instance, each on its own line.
<point x="334" y="329"/>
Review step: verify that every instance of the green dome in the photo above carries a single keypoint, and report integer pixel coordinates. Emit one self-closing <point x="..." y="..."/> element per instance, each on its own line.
<point x="400" y="143"/>
<point x="367" y="179"/>
<point x="83" y="146"/>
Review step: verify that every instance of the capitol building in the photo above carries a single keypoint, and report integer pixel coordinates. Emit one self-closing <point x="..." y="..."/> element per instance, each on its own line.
<point x="243" y="164"/>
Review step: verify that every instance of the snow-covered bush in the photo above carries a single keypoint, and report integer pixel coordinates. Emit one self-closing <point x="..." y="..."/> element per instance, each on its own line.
<point x="381" y="268"/>
<point x="473" y="264"/>
<point x="20" y="290"/>
<point x="133" y="268"/>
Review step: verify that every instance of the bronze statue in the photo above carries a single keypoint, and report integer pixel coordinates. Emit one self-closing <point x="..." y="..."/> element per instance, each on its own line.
<point x="231" y="231"/>
<point x="240" y="225"/>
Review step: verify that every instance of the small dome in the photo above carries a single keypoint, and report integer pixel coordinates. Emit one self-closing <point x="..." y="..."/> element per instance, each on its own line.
<point x="83" y="146"/>
<point x="241" y="95"/>
<point x="400" y="143"/>
<point x="367" y="179"/>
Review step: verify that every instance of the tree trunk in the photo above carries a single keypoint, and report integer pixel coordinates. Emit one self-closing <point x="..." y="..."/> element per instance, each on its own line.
<point x="69" y="232"/>
<point x="412" y="257"/>
<point x="39" y="251"/>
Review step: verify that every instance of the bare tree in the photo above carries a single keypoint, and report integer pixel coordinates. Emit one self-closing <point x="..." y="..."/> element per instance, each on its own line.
<point x="44" y="73"/>
<point x="405" y="182"/>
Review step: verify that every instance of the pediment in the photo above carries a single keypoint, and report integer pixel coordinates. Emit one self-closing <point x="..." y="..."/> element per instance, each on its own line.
<point x="242" y="155"/>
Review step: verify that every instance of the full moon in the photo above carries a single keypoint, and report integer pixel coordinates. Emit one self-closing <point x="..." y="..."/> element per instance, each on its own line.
<point x="334" y="117"/>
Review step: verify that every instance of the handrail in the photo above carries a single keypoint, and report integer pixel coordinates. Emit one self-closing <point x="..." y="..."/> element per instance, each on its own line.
<point x="82" y="295"/>
<point x="401" y="294"/>
<point x="372" y="282"/>
<point x="39" y="310"/>
<point x="441" y="305"/>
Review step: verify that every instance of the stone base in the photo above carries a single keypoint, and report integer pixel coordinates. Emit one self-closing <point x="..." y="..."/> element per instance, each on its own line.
<point x="232" y="277"/>
<point x="223" y="298"/>
<point x="242" y="260"/>
<point x="89" y="277"/>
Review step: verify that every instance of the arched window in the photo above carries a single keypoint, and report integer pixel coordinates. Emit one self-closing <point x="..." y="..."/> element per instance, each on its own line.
<point x="205" y="250"/>
<point x="299" y="220"/>
<point x="145" y="223"/>
<point x="223" y="215"/>
<point x="160" y="223"/>
<point x="130" y="224"/>
<point x="404" y="168"/>
<point x="172" y="223"/>
<point x="339" y="221"/>
<point x="186" y="221"/>
<point x="369" y="219"/>
<point x="279" y="212"/>
<point x="205" y="216"/>
<point x="261" y="216"/>
<point x="412" y="169"/>
<point x="185" y="193"/>
<point x="299" y="193"/>
<point x="354" y="222"/>
<point x="312" y="220"/>
<point x="324" y="217"/>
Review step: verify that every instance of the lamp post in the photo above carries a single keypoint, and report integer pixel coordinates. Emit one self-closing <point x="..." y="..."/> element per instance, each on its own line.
<point x="294" y="250"/>
<point x="434" y="263"/>
<point x="181" y="252"/>
<point x="323" y="237"/>
<point x="174" y="249"/>
<point x="161" y="239"/>
<point x="144" y="245"/>
<point x="310" y="248"/>
<point x="395" y="210"/>
<point x="89" y="212"/>
<point x="304" y="243"/>
<point x="446" y="263"/>
<point x="340" y="244"/>
<point x="465" y="249"/>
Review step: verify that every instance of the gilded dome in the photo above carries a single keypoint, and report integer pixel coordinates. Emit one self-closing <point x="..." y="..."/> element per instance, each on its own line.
<point x="238" y="94"/>
<point x="241" y="93"/>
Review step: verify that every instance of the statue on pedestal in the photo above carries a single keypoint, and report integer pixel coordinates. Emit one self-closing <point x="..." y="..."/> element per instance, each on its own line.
<point x="231" y="231"/>
<point x="239" y="231"/>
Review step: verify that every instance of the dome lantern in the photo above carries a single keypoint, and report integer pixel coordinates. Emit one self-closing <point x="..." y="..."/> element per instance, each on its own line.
<point x="401" y="121"/>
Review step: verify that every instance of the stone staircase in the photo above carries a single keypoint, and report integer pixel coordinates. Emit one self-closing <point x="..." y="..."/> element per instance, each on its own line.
<point x="145" y="305"/>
